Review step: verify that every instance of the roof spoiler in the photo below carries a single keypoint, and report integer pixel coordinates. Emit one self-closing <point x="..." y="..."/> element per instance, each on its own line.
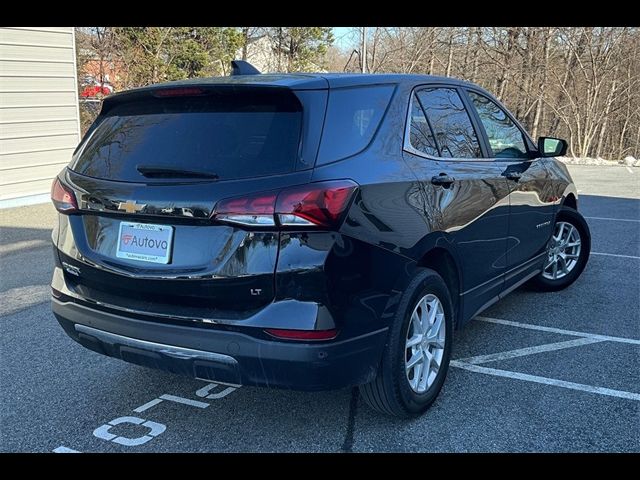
<point x="240" y="67"/>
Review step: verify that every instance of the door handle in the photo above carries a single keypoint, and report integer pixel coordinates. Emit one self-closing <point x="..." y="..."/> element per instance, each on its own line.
<point x="513" y="175"/>
<point x="442" y="179"/>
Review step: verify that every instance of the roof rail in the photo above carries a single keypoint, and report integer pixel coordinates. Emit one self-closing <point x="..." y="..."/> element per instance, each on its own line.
<point x="240" y="67"/>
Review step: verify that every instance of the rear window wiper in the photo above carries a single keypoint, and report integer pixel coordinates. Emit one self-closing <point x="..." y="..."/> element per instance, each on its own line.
<point x="152" y="171"/>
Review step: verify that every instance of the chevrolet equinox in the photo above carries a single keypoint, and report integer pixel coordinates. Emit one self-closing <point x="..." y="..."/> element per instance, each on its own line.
<point x="306" y="231"/>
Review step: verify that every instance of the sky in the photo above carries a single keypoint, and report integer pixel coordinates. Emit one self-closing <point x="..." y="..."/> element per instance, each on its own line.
<point x="344" y="37"/>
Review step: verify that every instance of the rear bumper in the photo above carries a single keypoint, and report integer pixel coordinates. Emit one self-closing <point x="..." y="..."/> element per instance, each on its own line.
<point x="222" y="355"/>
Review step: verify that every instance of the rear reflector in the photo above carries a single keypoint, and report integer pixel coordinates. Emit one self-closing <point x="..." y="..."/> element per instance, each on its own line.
<point x="63" y="197"/>
<point x="322" y="204"/>
<point x="302" y="334"/>
<point x="179" y="92"/>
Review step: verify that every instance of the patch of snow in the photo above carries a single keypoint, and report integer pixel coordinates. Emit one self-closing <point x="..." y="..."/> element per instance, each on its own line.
<point x="629" y="161"/>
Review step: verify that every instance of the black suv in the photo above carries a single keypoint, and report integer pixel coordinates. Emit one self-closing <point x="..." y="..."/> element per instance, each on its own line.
<point x="306" y="231"/>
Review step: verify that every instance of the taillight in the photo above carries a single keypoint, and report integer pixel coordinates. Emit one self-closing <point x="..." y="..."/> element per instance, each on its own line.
<point x="63" y="197"/>
<point x="321" y="204"/>
<point x="253" y="210"/>
<point x="302" y="334"/>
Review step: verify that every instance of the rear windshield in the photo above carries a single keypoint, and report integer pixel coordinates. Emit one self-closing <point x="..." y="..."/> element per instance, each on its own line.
<point x="228" y="133"/>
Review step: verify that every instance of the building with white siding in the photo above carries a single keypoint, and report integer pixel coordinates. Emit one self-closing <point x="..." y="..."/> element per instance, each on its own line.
<point x="39" y="117"/>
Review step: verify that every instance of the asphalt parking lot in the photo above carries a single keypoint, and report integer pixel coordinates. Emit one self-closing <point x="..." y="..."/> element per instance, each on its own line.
<point x="536" y="372"/>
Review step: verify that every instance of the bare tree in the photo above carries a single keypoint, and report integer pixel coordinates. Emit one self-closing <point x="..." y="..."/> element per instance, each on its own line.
<point x="579" y="83"/>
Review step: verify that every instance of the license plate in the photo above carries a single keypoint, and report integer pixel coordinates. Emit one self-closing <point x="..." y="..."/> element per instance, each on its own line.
<point x="144" y="242"/>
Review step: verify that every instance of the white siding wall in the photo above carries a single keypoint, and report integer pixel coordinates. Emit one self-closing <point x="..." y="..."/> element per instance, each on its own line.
<point x="39" y="120"/>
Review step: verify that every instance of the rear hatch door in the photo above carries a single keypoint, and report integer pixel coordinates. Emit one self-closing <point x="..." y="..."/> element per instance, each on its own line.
<point x="147" y="178"/>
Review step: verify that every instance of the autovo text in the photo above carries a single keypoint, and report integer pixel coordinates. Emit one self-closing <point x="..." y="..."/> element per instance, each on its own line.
<point x="135" y="241"/>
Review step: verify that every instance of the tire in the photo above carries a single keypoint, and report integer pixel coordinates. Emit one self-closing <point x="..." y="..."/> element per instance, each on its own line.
<point x="543" y="281"/>
<point x="391" y="391"/>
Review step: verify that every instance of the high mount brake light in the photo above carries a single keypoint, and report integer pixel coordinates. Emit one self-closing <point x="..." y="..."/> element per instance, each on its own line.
<point x="63" y="197"/>
<point x="178" y="92"/>
<point x="320" y="204"/>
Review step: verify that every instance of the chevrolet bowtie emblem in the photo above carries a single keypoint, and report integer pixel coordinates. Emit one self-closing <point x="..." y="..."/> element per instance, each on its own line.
<point x="131" y="207"/>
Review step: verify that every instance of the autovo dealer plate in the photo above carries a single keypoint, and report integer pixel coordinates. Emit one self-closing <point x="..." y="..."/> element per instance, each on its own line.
<point x="145" y="242"/>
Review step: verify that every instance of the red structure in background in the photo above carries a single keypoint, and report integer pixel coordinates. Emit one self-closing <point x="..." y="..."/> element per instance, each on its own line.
<point x="91" y="91"/>
<point x="99" y="78"/>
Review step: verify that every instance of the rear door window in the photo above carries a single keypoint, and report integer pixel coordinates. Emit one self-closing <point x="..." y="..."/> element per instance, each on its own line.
<point x="353" y="116"/>
<point x="420" y="133"/>
<point x="450" y="122"/>
<point x="227" y="133"/>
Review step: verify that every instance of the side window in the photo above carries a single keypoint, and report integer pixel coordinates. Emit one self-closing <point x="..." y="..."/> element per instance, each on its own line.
<point x="450" y="122"/>
<point x="353" y="116"/>
<point x="420" y="134"/>
<point x="505" y="138"/>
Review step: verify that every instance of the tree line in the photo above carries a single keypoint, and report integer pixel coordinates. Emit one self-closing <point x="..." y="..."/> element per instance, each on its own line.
<point x="146" y="55"/>
<point x="138" y="56"/>
<point x="581" y="84"/>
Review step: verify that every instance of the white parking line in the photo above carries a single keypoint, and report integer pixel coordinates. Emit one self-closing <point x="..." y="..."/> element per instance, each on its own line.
<point x="614" y="219"/>
<point x="184" y="401"/>
<point x="147" y="405"/>
<point x="523" y="352"/>
<point x="529" y="326"/>
<point x="65" y="450"/>
<point x="546" y="381"/>
<point x="633" y="257"/>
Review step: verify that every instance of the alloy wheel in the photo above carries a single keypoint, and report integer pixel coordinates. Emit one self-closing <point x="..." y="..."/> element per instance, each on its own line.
<point x="563" y="252"/>
<point x="425" y="340"/>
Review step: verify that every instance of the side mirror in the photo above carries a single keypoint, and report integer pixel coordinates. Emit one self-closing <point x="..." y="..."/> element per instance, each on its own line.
<point x="552" y="147"/>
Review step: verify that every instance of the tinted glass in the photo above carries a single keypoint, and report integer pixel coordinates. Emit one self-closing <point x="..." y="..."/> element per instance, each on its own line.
<point x="505" y="138"/>
<point x="450" y="121"/>
<point x="231" y="135"/>
<point x="421" y="137"/>
<point x="353" y="116"/>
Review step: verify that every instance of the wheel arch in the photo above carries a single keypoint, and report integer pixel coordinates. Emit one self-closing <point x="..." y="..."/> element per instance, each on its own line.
<point x="436" y="252"/>
<point x="570" y="196"/>
<point x="444" y="262"/>
<point x="571" y="201"/>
